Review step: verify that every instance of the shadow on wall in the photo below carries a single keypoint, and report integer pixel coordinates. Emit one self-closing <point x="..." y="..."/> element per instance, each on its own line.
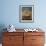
<point x="2" y="26"/>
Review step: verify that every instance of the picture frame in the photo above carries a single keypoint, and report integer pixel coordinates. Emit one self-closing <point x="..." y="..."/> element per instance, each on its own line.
<point x="26" y="13"/>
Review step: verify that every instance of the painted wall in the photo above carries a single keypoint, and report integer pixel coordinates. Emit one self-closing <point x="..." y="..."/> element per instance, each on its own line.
<point x="9" y="13"/>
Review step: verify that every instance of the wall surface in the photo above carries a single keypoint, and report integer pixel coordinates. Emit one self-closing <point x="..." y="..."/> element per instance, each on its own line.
<point x="10" y="13"/>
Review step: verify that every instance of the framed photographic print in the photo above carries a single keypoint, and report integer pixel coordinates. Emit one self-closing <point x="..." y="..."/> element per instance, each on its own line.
<point x="26" y="13"/>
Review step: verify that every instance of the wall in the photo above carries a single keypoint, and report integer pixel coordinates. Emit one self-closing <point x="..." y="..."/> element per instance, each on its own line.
<point x="10" y="13"/>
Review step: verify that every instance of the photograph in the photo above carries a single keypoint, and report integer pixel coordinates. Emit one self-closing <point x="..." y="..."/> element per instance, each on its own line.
<point x="26" y="13"/>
